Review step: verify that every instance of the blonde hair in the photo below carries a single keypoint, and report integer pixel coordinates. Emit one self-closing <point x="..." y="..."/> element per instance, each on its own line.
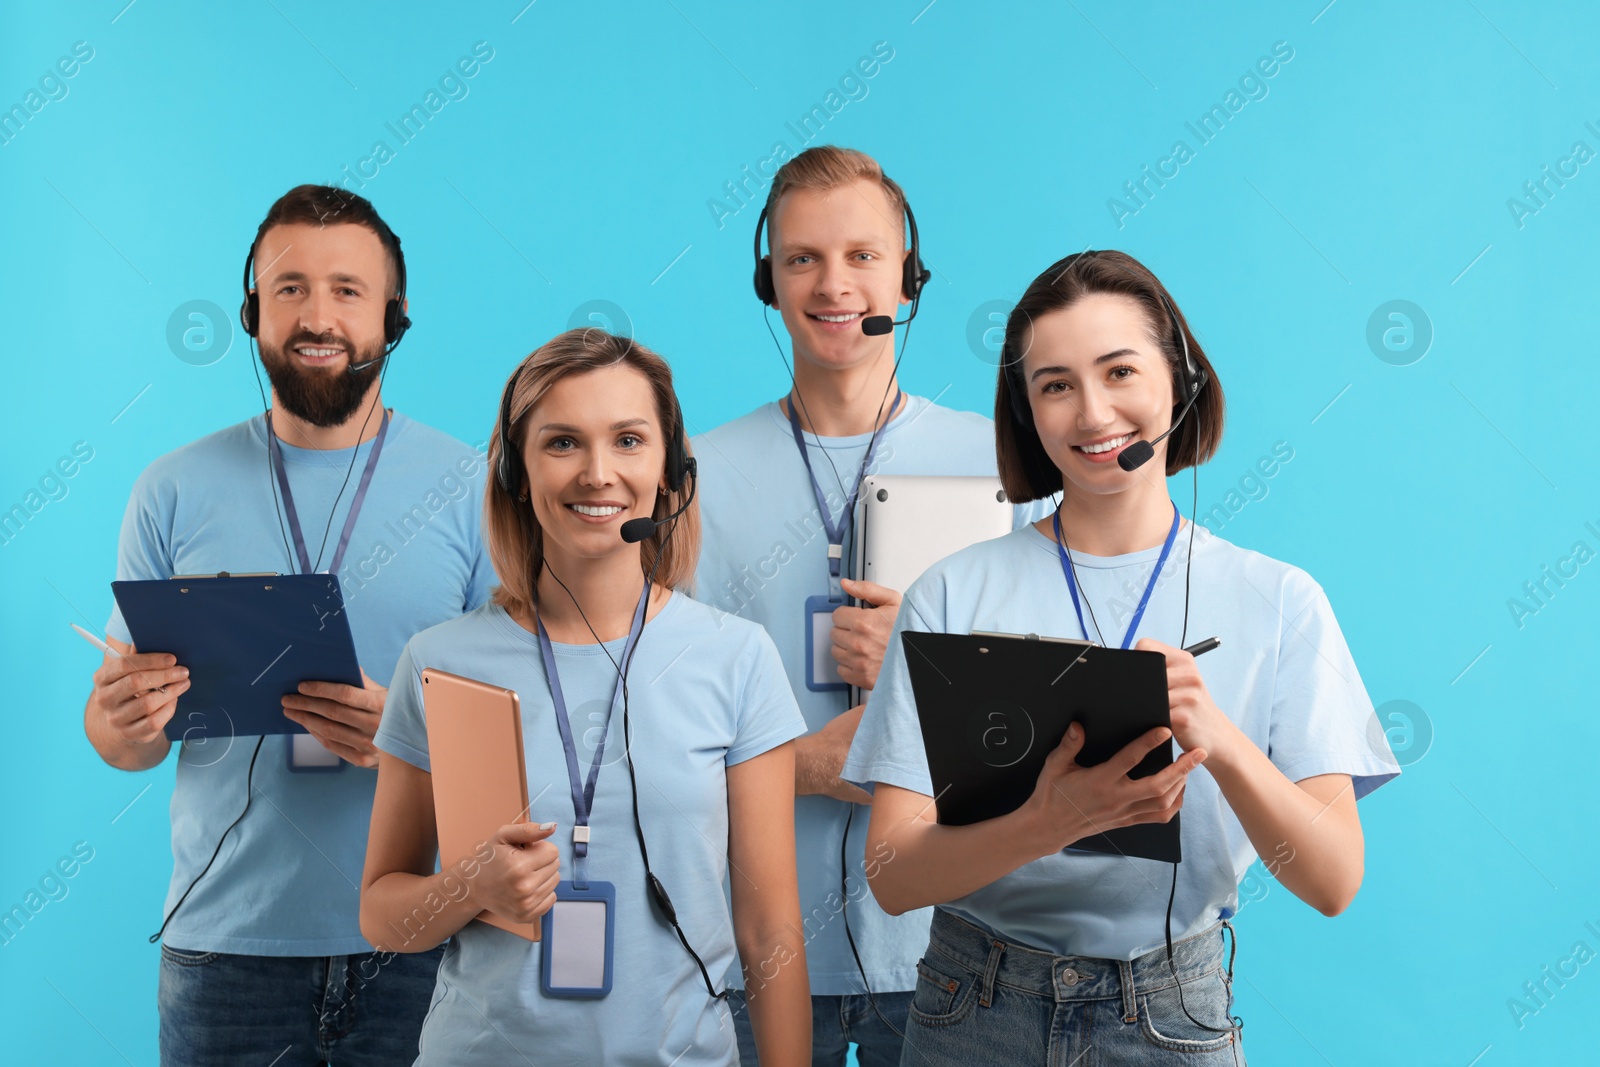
<point x="515" y="539"/>
<point x="828" y="167"/>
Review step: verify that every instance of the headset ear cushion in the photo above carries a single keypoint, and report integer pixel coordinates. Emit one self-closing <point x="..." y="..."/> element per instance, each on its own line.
<point x="677" y="471"/>
<point x="763" y="282"/>
<point x="250" y="313"/>
<point x="913" y="275"/>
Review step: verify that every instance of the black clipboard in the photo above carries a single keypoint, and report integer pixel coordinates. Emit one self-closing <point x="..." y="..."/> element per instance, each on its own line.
<point x="247" y="641"/>
<point x="994" y="706"/>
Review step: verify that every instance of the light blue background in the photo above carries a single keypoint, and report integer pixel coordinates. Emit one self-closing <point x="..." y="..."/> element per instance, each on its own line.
<point x="579" y="166"/>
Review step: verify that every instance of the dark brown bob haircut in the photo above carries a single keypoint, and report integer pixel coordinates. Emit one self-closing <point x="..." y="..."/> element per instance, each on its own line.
<point x="1026" y="470"/>
<point x="515" y="539"/>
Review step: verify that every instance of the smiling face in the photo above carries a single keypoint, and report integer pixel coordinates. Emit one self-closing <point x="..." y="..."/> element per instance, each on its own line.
<point x="594" y="452"/>
<point x="322" y="290"/>
<point x="1097" y="382"/>
<point x="836" y="259"/>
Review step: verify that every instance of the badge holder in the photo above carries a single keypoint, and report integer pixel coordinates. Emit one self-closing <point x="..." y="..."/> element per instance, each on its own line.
<point x="306" y="755"/>
<point x="578" y="936"/>
<point x="822" y="670"/>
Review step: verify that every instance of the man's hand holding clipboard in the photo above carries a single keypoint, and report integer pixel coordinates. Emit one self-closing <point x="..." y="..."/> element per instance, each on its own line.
<point x="342" y="718"/>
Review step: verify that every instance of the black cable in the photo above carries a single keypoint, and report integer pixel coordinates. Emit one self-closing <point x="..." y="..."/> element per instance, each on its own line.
<point x="1188" y="567"/>
<point x="1238" y="1023"/>
<point x="354" y="451"/>
<point x="248" y="794"/>
<point x="794" y="386"/>
<point x="653" y="885"/>
<point x="277" y="507"/>
<point x="272" y="480"/>
<point x="877" y="427"/>
<point x="1188" y="564"/>
<point x="844" y="911"/>
<point x="844" y="877"/>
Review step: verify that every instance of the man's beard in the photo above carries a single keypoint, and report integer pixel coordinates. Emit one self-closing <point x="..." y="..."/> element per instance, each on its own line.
<point x="324" y="396"/>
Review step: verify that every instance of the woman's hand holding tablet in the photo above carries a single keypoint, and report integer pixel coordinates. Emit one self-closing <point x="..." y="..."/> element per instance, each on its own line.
<point x="520" y="881"/>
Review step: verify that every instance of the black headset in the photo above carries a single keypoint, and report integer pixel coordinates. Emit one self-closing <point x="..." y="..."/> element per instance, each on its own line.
<point x="1191" y="378"/>
<point x="913" y="275"/>
<point x="395" y="320"/>
<point x="508" y="466"/>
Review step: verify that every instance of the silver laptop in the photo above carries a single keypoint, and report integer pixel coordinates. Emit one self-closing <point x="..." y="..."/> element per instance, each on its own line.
<point x="904" y="524"/>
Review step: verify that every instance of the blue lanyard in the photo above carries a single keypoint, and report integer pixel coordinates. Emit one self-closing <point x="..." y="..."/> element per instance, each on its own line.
<point x="838" y="530"/>
<point x="355" y="503"/>
<point x="583" y="791"/>
<point x="1072" y="585"/>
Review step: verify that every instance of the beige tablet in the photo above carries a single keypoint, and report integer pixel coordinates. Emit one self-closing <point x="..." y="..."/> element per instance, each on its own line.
<point x="479" y="781"/>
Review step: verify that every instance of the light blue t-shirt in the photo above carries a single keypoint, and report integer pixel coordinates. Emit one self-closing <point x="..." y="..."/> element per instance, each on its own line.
<point x="1283" y="674"/>
<point x="705" y="693"/>
<point x="287" y="881"/>
<point x="763" y="553"/>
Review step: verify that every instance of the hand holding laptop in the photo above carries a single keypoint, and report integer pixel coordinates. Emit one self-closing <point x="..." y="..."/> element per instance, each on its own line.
<point x="861" y="634"/>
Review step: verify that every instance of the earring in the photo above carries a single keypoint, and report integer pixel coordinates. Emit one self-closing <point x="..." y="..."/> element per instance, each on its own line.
<point x="522" y="498"/>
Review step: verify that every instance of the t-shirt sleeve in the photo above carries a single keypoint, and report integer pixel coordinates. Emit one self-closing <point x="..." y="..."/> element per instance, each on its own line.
<point x="767" y="715"/>
<point x="142" y="549"/>
<point x="403" y="730"/>
<point x="888" y="743"/>
<point x="1322" y="718"/>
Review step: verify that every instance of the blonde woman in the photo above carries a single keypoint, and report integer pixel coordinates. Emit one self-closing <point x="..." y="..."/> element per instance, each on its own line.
<point x="692" y="762"/>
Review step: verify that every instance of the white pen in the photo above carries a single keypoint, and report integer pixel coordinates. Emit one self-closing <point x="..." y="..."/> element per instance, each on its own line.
<point x="95" y="641"/>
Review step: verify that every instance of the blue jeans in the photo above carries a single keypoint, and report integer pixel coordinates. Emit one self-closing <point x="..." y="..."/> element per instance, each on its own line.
<point x="218" y="1010"/>
<point x="836" y="1023"/>
<point x="980" y="999"/>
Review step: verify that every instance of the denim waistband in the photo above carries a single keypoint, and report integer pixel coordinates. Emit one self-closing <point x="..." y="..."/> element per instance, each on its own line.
<point x="1070" y="978"/>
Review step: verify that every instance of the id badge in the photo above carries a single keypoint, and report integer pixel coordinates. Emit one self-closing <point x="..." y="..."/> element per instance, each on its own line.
<point x="306" y="755"/>
<point x="577" y="941"/>
<point x="822" y="670"/>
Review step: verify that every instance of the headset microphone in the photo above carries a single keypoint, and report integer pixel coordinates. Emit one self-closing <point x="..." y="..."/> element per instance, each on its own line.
<point x="357" y="368"/>
<point x="642" y="529"/>
<point x="878" y="325"/>
<point x="1138" y="454"/>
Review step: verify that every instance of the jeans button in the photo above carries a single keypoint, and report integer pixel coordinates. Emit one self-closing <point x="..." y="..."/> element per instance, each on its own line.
<point x="1069" y="976"/>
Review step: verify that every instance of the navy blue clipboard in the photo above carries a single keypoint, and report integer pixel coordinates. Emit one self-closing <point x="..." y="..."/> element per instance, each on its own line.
<point x="993" y="706"/>
<point x="246" y="642"/>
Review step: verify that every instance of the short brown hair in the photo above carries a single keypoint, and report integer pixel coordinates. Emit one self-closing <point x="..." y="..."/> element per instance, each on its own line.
<point x="516" y="542"/>
<point x="327" y="205"/>
<point x="1026" y="470"/>
<point x="828" y="167"/>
